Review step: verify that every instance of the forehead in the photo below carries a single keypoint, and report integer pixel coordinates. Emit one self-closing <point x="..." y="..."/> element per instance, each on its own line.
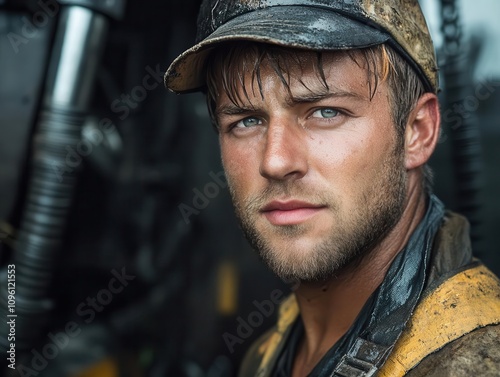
<point x="242" y="73"/>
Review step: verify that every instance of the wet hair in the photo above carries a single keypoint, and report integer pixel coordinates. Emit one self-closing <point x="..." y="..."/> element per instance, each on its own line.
<point x="228" y="65"/>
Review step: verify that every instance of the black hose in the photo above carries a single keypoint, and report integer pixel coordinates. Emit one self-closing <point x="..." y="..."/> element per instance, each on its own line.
<point x="54" y="166"/>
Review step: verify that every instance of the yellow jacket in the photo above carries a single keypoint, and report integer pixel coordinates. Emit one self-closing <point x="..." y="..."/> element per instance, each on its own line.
<point x="453" y="331"/>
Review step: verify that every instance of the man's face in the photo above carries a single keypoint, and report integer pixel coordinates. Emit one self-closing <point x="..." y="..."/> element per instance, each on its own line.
<point x="316" y="174"/>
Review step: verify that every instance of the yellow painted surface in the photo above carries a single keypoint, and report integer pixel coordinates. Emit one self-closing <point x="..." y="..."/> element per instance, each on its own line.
<point x="227" y="289"/>
<point x="289" y="310"/>
<point x="104" y="368"/>
<point x="467" y="301"/>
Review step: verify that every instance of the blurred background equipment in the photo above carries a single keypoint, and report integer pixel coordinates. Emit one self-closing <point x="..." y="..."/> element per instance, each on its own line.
<point x="114" y="208"/>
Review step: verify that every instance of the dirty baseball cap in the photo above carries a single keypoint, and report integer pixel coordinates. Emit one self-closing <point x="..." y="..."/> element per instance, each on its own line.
<point x="319" y="25"/>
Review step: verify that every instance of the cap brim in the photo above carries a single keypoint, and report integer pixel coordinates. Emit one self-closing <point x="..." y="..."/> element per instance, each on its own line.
<point x="293" y="26"/>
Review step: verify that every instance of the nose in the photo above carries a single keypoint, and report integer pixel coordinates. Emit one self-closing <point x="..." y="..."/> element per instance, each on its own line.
<point x="285" y="152"/>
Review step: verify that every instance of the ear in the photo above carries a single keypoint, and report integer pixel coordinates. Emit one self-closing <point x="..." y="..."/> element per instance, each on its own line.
<point x="422" y="131"/>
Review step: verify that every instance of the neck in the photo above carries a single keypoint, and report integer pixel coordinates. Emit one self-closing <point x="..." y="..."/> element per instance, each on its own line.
<point x="328" y="309"/>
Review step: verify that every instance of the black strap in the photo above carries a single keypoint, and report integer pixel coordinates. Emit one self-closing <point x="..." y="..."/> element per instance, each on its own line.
<point x="396" y="298"/>
<point x="362" y="359"/>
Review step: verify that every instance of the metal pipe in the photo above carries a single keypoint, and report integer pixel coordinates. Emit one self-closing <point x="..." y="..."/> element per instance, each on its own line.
<point x="78" y="43"/>
<point x="76" y="55"/>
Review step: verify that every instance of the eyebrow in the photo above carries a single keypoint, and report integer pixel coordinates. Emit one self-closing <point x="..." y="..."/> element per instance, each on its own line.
<point x="312" y="97"/>
<point x="309" y="97"/>
<point x="234" y="109"/>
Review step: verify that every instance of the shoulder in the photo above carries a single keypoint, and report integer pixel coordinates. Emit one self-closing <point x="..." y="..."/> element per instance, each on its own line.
<point x="262" y="355"/>
<point x="254" y="355"/>
<point x="474" y="354"/>
<point x="456" y="325"/>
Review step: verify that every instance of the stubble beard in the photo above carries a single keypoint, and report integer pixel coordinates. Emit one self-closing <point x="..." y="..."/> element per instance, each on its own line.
<point x="351" y="239"/>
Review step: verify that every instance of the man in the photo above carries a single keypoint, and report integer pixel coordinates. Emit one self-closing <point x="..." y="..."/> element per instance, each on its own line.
<point x="327" y="115"/>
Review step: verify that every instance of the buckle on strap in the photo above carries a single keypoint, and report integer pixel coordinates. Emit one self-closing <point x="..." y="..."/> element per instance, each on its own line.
<point x="363" y="359"/>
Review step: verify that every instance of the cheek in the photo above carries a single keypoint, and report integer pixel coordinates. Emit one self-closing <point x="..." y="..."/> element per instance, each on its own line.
<point x="339" y="154"/>
<point x="352" y="160"/>
<point x="239" y="164"/>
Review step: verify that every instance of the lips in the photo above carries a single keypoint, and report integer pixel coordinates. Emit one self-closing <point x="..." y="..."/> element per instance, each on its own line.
<point x="290" y="212"/>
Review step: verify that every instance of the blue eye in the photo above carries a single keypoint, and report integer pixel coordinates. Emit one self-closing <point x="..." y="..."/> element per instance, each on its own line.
<point x="325" y="113"/>
<point x="248" y="122"/>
